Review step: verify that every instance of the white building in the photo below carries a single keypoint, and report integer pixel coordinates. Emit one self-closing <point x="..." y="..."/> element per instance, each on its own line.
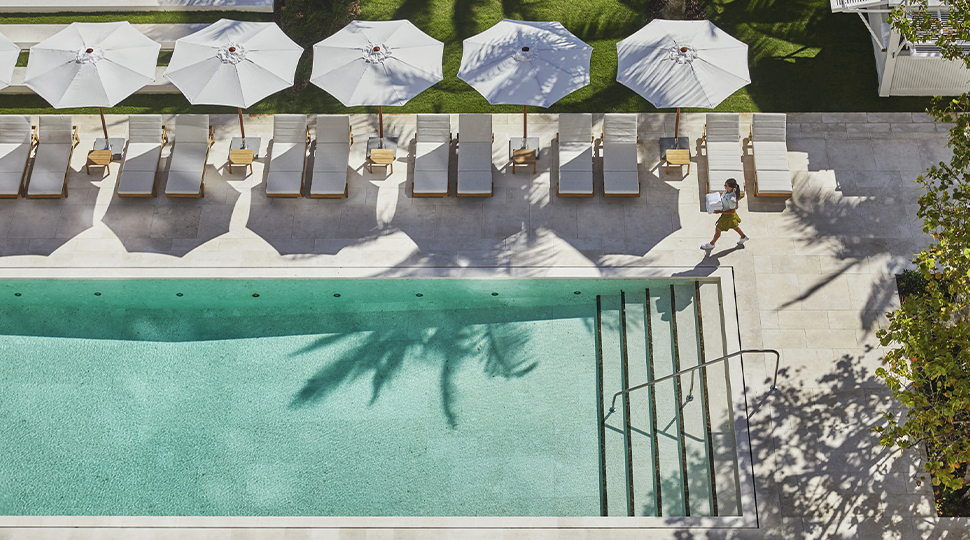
<point x="904" y="68"/>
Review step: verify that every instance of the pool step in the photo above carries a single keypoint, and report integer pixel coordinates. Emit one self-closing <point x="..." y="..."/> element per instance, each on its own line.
<point x="662" y="453"/>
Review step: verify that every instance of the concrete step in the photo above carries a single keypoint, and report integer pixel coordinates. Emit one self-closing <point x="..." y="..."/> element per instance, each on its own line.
<point x="693" y="397"/>
<point x="641" y="425"/>
<point x="671" y="496"/>
<point x="614" y="446"/>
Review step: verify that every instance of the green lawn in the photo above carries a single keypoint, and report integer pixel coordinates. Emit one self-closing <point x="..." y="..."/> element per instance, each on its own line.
<point x="802" y="57"/>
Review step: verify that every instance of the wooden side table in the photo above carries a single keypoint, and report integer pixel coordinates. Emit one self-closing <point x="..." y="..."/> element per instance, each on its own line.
<point x="524" y="156"/>
<point x="678" y="157"/>
<point x="242" y="157"/>
<point x="382" y="157"/>
<point x="98" y="158"/>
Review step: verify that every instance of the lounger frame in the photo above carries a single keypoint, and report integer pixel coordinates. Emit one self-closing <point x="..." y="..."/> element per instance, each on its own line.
<point x="346" y="185"/>
<point x="429" y="194"/>
<point x="22" y="188"/>
<point x="205" y="166"/>
<point x="75" y="140"/>
<point x="592" y="142"/>
<point x="756" y="192"/>
<point x="602" y="141"/>
<point x="302" y="192"/>
<point x="154" y="192"/>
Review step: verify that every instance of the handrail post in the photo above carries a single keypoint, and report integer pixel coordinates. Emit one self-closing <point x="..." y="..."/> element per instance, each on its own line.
<point x="698" y="366"/>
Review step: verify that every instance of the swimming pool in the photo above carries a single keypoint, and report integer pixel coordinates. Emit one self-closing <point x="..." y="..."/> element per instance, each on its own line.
<point x="354" y="398"/>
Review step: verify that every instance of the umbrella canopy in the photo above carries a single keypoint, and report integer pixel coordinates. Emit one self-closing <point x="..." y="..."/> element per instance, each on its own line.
<point x="377" y="63"/>
<point x="675" y="64"/>
<point x="91" y="65"/>
<point x="682" y="64"/>
<point x="233" y="63"/>
<point x="525" y="63"/>
<point x="9" y="52"/>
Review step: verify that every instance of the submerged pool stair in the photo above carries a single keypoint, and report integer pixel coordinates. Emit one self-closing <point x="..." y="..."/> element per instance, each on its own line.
<point x="667" y="450"/>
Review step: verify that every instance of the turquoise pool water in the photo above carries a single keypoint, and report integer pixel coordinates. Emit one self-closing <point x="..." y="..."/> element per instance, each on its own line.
<point x="477" y="398"/>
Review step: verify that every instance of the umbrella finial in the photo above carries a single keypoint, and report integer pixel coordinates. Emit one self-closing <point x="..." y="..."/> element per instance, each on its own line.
<point x="89" y="51"/>
<point x="684" y="49"/>
<point x="525" y="49"/>
<point x="377" y="49"/>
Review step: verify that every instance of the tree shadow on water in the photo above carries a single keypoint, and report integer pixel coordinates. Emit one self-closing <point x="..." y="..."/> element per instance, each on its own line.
<point x="498" y="349"/>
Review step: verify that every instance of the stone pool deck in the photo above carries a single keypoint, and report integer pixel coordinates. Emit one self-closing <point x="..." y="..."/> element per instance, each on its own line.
<point x="813" y="282"/>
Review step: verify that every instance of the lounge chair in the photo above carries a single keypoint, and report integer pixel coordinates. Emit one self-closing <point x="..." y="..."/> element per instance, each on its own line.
<point x="16" y="142"/>
<point x="186" y="170"/>
<point x="287" y="156"/>
<point x="56" y="139"/>
<point x="139" y="169"/>
<point x="772" y="177"/>
<point x="722" y="138"/>
<point x="330" y="156"/>
<point x="619" y="144"/>
<point x="432" y="146"/>
<point x="575" y="155"/>
<point x="475" y="139"/>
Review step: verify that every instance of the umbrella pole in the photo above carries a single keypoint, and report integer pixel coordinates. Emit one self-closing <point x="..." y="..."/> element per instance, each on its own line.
<point x="525" y="125"/>
<point x="677" y="129"/>
<point x="104" y="126"/>
<point x="242" y="128"/>
<point x="380" y="120"/>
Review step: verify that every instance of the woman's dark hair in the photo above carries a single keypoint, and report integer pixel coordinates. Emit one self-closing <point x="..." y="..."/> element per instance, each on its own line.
<point x="733" y="184"/>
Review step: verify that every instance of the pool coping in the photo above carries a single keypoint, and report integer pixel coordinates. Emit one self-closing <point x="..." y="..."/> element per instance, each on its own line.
<point x="723" y="275"/>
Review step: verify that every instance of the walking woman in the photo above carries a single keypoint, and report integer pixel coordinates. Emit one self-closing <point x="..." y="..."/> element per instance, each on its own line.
<point x="729" y="214"/>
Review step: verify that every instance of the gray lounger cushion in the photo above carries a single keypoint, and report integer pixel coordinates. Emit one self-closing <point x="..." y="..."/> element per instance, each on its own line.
<point x="575" y="154"/>
<point x="287" y="155"/>
<point x="186" y="171"/>
<point x="140" y="164"/>
<point x="475" y="154"/>
<point x="431" y="153"/>
<point x="620" y="175"/>
<point x="330" y="156"/>
<point x="723" y="143"/>
<point x="53" y="157"/>
<point x="14" y="151"/>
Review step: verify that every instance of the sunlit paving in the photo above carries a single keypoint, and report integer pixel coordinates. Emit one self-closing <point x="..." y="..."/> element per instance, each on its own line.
<point x="314" y="268"/>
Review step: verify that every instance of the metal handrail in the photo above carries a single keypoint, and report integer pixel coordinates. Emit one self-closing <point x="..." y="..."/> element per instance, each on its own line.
<point x="698" y="366"/>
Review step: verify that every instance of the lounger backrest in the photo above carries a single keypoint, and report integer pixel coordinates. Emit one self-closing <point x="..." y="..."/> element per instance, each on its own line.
<point x="723" y="127"/>
<point x="54" y="129"/>
<point x="333" y="128"/>
<point x="434" y="128"/>
<point x="145" y="128"/>
<point x="14" y="129"/>
<point x="575" y="127"/>
<point x="289" y="128"/>
<point x="768" y="127"/>
<point x="475" y="128"/>
<point x="192" y="128"/>
<point x="620" y="128"/>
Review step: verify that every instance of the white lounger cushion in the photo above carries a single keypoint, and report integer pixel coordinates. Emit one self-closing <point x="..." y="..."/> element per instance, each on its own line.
<point x="620" y="175"/>
<point x="14" y="151"/>
<point x="575" y="154"/>
<point x="140" y="164"/>
<point x="53" y="156"/>
<point x="139" y="168"/>
<point x="769" y="127"/>
<point x="330" y="156"/>
<point x="187" y="168"/>
<point x="50" y="170"/>
<point x="431" y="154"/>
<point x="575" y="183"/>
<point x="287" y="155"/>
<point x="723" y="127"/>
<point x="474" y="154"/>
<point x="774" y="182"/>
<point x="770" y="156"/>
<point x="723" y="143"/>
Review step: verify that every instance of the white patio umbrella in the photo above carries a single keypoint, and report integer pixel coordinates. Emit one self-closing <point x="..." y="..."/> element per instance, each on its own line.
<point x="9" y="52"/>
<point x="675" y="64"/>
<point x="525" y="63"/>
<point x="91" y="65"/>
<point x="377" y="63"/>
<point x="233" y="63"/>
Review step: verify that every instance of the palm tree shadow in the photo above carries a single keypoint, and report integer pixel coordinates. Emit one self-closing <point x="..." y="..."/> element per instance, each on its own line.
<point x="382" y="354"/>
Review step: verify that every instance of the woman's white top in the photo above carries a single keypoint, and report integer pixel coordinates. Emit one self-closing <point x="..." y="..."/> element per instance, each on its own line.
<point x="729" y="201"/>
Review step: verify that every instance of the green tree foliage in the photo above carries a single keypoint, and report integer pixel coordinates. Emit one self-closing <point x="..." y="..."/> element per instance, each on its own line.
<point x="929" y="370"/>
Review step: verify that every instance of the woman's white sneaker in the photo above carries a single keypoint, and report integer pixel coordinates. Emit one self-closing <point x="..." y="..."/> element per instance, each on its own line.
<point x="708" y="246"/>
<point x="743" y="240"/>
